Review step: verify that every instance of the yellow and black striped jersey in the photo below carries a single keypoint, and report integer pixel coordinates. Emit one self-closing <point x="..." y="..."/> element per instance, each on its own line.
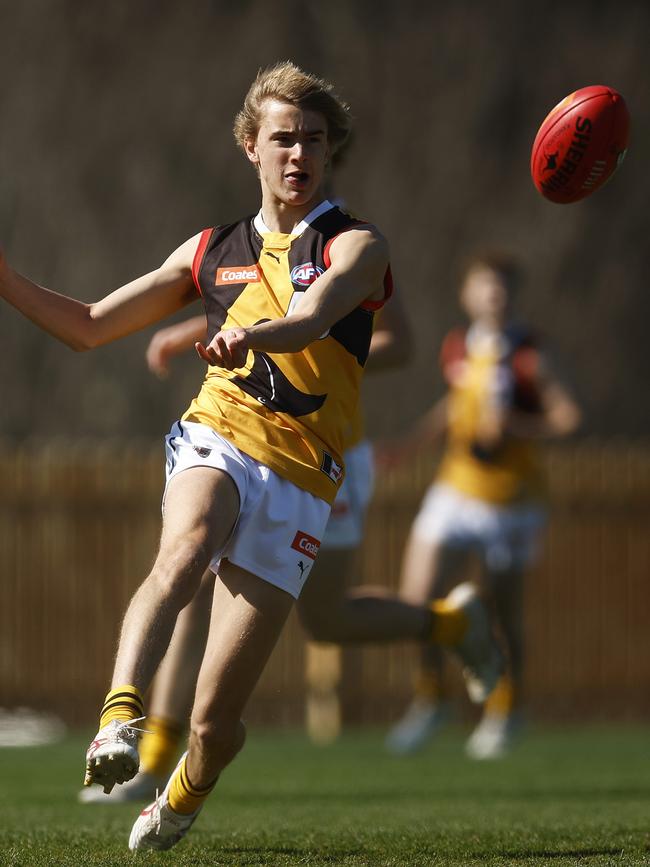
<point x="482" y="374"/>
<point x="291" y="412"/>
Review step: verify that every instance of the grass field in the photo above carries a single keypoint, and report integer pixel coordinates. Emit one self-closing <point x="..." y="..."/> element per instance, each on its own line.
<point x="566" y="797"/>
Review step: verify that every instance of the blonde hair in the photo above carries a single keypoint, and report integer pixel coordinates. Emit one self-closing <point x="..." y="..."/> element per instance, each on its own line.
<point x="286" y="82"/>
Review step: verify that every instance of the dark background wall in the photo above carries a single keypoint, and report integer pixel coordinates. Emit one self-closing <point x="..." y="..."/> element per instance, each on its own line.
<point x="115" y="146"/>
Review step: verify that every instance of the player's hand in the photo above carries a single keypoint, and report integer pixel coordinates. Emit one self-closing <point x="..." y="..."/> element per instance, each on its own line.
<point x="226" y="349"/>
<point x="159" y="354"/>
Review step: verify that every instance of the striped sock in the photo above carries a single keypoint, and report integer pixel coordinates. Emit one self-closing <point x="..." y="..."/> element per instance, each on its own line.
<point x="428" y="688"/>
<point x="159" y="745"/>
<point x="449" y="623"/>
<point x="123" y="703"/>
<point x="184" y="798"/>
<point x="501" y="700"/>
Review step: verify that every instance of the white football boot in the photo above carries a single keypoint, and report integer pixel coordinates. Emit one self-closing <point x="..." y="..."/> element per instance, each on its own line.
<point x="482" y="660"/>
<point x="422" y="720"/>
<point x="112" y="756"/>
<point x="493" y="736"/>
<point x="158" y="826"/>
<point x="143" y="787"/>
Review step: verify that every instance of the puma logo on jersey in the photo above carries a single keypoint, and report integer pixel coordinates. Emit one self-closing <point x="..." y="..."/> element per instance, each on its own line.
<point x="305" y="274"/>
<point x="241" y="274"/>
<point x="306" y="544"/>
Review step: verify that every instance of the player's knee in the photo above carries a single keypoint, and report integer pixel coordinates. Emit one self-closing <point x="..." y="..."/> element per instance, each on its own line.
<point x="178" y="570"/>
<point x="218" y="741"/>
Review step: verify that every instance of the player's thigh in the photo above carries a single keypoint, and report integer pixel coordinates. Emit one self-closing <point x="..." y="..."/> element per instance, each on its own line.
<point x="200" y="511"/>
<point x="506" y="588"/>
<point x="430" y="568"/>
<point x="248" y="615"/>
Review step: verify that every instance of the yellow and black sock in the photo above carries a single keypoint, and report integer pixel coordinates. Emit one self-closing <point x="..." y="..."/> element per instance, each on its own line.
<point x="159" y="745"/>
<point x="428" y="688"/>
<point x="184" y="798"/>
<point x="123" y="703"/>
<point x="501" y="700"/>
<point x="449" y="623"/>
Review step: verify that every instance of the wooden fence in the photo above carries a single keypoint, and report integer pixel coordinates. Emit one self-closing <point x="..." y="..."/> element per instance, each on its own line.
<point x="78" y="531"/>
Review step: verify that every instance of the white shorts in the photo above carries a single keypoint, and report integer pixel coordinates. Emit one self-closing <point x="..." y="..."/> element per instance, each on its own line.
<point x="348" y="515"/>
<point x="280" y="526"/>
<point x="506" y="537"/>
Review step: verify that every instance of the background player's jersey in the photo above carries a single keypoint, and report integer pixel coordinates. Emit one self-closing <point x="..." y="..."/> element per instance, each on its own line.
<point x="291" y="412"/>
<point x="482" y="375"/>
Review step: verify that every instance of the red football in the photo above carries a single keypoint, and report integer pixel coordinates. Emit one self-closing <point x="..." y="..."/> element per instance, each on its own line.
<point x="580" y="144"/>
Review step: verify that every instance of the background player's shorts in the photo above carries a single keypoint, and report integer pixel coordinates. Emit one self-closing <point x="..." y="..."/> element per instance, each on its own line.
<point x="280" y="526"/>
<point x="348" y="515"/>
<point x="506" y="537"/>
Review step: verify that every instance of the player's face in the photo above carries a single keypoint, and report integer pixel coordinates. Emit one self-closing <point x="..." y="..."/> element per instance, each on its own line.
<point x="290" y="152"/>
<point x="484" y="295"/>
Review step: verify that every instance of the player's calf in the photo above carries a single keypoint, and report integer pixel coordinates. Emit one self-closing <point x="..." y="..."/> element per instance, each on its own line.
<point x="215" y="743"/>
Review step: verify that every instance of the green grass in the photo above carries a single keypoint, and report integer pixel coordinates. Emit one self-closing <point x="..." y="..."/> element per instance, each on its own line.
<point x="562" y="798"/>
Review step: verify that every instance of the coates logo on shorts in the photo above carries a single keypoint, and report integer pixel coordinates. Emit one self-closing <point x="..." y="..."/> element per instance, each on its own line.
<point x="306" y="544"/>
<point x="305" y="274"/>
<point x="238" y="274"/>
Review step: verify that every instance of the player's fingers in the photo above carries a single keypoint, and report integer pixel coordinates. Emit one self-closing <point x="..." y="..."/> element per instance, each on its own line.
<point x="208" y="354"/>
<point x="221" y="348"/>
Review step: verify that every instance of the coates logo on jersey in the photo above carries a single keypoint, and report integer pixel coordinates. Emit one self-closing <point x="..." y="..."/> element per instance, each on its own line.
<point x="305" y="274"/>
<point x="306" y="544"/>
<point x="238" y="274"/>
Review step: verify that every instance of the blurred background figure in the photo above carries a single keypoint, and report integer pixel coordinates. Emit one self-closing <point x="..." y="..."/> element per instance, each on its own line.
<point x="487" y="503"/>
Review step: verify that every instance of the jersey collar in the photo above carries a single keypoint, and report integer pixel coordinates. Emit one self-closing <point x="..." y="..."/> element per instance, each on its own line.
<point x="481" y="341"/>
<point x="263" y="229"/>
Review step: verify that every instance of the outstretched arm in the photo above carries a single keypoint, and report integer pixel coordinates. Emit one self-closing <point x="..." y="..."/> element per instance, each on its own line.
<point x="131" y="307"/>
<point x="174" y="340"/>
<point x="359" y="259"/>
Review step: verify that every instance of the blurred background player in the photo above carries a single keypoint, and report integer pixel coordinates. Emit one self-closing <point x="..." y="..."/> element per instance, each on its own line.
<point x="486" y="506"/>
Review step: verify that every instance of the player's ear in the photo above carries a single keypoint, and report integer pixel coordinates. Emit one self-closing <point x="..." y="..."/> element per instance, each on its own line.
<point x="250" y="149"/>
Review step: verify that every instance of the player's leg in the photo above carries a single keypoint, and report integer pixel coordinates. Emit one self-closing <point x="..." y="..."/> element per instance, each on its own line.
<point x="329" y="611"/>
<point x="172" y="694"/>
<point x="501" y="717"/>
<point x="174" y="686"/>
<point x="429" y="570"/>
<point x="201" y="508"/>
<point x="170" y="703"/>
<point x="247" y="617"/>
<point x="509" y="552"/>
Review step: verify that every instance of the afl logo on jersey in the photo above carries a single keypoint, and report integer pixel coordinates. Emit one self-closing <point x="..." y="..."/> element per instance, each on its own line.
<point x="305" y="274"/>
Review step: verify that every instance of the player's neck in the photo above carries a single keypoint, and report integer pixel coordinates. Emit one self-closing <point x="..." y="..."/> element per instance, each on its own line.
<point x="489" y="324"/>
<point x="282" y="217"/>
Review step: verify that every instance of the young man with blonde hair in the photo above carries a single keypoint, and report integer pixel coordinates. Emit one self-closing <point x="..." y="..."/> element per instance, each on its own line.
<point x="256" y="461"/>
